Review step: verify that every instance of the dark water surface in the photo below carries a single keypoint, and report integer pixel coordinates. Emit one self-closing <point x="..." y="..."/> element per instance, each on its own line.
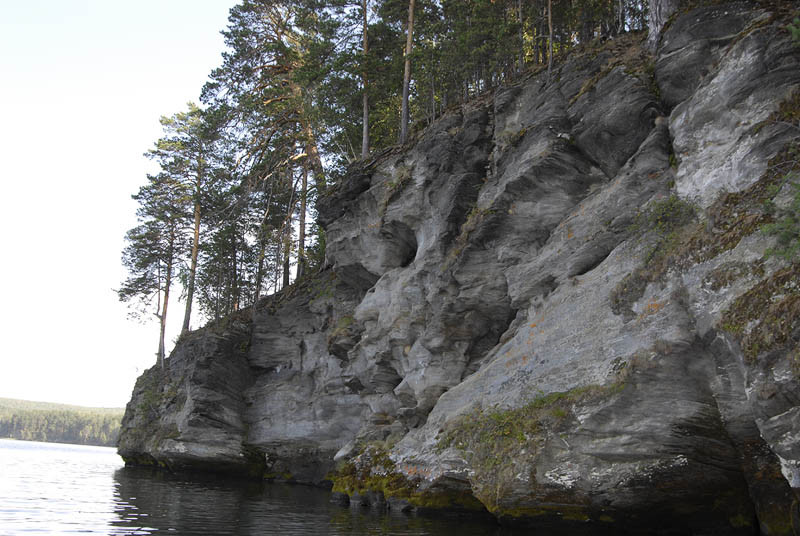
<point x="48" y="488"/>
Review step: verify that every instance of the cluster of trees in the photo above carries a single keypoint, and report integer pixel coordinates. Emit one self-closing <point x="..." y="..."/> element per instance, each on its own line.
<point x="59" y="424"/>
<point x="230" y="213"/>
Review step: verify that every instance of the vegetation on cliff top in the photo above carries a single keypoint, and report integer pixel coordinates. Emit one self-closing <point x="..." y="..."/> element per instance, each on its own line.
<point x="229" y="213"/>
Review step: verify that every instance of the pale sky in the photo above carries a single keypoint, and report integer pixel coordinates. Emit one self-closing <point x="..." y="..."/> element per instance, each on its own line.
<point x="82" y="85"/>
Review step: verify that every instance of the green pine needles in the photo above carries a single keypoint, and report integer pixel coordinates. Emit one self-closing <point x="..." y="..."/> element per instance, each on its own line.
<point x="794" y="29"/>
<point x="786" y="228"/>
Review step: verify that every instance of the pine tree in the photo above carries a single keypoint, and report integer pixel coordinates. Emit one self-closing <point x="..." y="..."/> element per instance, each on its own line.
<point x="187" y="150"/>
<point x="154" y="249"/>
<point x="407" y="73"/>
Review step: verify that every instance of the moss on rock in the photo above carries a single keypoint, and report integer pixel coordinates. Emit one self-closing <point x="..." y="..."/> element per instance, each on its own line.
<point x="499" y="443"/>
<point x="374" y="472"/>
<point x="768" y="315"/>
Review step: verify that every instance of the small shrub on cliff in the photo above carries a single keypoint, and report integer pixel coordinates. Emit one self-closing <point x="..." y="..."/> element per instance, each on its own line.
<point x="785" y="167"/>
<point x="787" y="229"/>
<point x="669" y="214"/>
<point x="767" y="316"/>
<point x="672" y="219"/>
<point x="794" y="29"/>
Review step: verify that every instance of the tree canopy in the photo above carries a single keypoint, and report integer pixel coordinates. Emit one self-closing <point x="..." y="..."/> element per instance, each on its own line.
<point x="306" y="87"/>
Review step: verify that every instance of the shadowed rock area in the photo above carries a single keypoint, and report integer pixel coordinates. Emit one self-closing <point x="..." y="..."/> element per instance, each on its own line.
<point x="553" y="305"/>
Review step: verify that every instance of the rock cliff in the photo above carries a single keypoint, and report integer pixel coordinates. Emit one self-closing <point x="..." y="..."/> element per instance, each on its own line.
<point x="554" y="304"/>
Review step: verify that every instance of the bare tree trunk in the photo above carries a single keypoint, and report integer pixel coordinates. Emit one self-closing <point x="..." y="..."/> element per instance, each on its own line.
<point x="287" y="251"/>
<point x="659" y="12"/>
<point x="235" y="273"/>
<point x="313" y="154"/>
<point x="521" y="39"/>
<point x="364" y="97"/>
<point x="286" y="232"/>
<point x="275" y="279"/>
<point x="193" y="266"/>
<point x="219" y="292"/>
<point x="550" y="40"/>
<point x="301" y="238"/>
<point x="407" y="74"/>
<point x="262" y="248"/>
<point x="163" y="316"/>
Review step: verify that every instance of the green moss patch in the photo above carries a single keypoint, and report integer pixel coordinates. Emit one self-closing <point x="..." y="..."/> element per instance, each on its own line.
<point x="682" y="240"/>
<point x="725" y="274"/>
<point x="374" y="471"/>
<point x="765" y="317"/>
<point x="499" y="443"/>
<point x="394" y="186"/>
<point x="154" y="391"/>
<point x="673" y="222"/>
<point x="627" y="51"/>
<point x="475" y="217"/>
<point x="342" y="326"/>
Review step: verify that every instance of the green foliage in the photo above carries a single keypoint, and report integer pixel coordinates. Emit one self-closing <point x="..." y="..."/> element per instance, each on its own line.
<point x="57" y="423"/>
<point x="794" y="29"/>
<point x="667" y="215"/>
<point x="784" y="173"/>
<point x="766" y="316"/>
<point x="342" y="326"/>
<point x="373" y="470"/>
<point x="497" y="441"/>
<point x="786" y="229"/>
<point x="239" y="173"/>
<point x="671" y="220"/>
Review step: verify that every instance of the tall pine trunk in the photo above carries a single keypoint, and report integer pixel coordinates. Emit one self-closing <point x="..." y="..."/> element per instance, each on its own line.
<point x="407" y="74"/>
<point x="193" y="265"/>
<point x="365" y="96"/>
<point x="163" y="315"/>
<point x="218" y="294"/>
<point x="234" y="295"/>
<point x="521" y="33"/>
<point x="550" y="39"/>
<point x="287" y="227"/>
<point x="287" y="263"/>
<point x="262" y="248"/>
<point x="313" y="153"/>
<point x="301" y="238"/>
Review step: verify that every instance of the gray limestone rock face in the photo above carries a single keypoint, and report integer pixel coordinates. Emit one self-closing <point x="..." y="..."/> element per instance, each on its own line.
<point x="658" y="14"/>
<point x="554" y="306"/>
<point x="718" y="136"/>
<point x="693" y="44"/>
<point x="192" y="411"/>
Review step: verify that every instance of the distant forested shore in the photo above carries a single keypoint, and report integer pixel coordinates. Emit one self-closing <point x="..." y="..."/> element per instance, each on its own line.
<point x="59" y="423"/>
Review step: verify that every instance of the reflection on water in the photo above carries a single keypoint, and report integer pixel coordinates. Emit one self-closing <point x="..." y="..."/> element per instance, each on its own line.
<point x="48" y="488"/>
<point x="147" y="502"/>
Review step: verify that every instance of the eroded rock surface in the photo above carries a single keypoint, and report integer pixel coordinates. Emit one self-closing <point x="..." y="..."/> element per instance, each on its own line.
<point x="553" y="305"/>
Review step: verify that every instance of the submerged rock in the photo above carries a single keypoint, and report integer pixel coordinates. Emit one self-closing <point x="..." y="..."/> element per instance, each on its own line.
<point x="554" y="307"/>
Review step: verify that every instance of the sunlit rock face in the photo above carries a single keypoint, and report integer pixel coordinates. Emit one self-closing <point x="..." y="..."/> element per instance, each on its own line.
<point x="553" y="302"/>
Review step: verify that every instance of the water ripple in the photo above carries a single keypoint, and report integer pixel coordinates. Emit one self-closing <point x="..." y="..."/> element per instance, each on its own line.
<point x="69" y="489"/>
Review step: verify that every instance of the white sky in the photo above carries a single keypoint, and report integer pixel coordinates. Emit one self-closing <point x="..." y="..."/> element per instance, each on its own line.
<point x="82" y="85"/>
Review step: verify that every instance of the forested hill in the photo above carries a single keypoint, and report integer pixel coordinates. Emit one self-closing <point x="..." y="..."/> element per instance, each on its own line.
<point x="59" y="423"/>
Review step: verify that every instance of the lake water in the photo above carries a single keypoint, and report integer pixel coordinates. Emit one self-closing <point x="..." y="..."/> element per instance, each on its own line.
<point x="49" y="488"/>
